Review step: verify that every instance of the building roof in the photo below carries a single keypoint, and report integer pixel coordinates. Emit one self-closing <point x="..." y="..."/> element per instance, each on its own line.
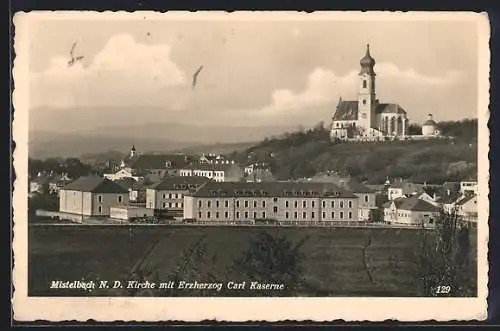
<point x="398" y="202"/>
<point x="450" y="198"/>
<point x="430" y="190"/>
<point x="389" y="108"/>
<point x="272" y="189"/>
<point x="95" y="184"/>
<point x="376" y="187"/>
<point x="466" y="198"/>
<point x="179" y="183"/>
<point x="126" y="182"/>
<point x="348" y="183"/>
<point x="347" y="110"/>
<point x="159" y="161"/>
<point x="416" y="204"/>
<point x="367" y="62"/>
<point x="429" y="123"/>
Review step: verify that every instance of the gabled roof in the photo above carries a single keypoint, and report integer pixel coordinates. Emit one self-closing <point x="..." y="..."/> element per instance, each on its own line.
<point x="126" y="182"/>
<point x="95" y="184"/>
<point x="349" y="183"/>
<point x="346" y="111"/>
<point x="416" y="204"/>
<point x="376" y="187"/>
<point x="389" y="108"/>
<point x="430" y="190"/>
<point x="159" y="161"/>
<point x="398" y="202"/>
<point x="466" y="199"/>
<point x="272" y="189"/>
<point x="450" y="198"/>
<point x="179" y="183"/>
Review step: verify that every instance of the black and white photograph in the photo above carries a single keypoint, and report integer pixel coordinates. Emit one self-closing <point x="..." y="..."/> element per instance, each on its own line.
<point x="254" y="161"/>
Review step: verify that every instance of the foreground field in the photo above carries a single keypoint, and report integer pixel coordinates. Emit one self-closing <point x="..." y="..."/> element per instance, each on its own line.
<point x="336" y="261"/>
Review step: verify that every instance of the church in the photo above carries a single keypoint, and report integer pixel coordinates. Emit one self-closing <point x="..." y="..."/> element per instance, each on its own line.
<point x="366" y="118"/>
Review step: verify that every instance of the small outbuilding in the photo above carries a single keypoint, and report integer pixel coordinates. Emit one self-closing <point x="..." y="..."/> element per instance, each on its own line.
<point x="130" y="212"/>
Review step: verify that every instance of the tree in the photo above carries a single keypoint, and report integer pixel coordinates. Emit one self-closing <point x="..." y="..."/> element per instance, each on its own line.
<point x="414" y="129"/>
<point x="272" y="259"/>
<point x="443" y="262"/>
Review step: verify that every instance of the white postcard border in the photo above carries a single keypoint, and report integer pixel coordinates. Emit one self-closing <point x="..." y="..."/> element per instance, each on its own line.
<point x="239" y="309"/>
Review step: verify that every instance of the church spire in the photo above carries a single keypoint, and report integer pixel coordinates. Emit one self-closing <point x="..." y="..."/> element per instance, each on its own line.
<point x="367" y="63"/>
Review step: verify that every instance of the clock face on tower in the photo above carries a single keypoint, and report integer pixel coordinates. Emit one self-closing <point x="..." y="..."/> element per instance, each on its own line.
<point x="363" y="115"/>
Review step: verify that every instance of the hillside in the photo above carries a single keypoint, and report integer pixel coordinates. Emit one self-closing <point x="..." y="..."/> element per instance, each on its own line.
<point x="305" y="153"/>
<point x="161" y="137"/>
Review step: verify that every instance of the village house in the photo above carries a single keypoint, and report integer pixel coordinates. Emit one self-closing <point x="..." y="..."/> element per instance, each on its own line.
<point x="124" y="172"/>
<point x="154" y="166"/>
<point x="91" y="196"/>
<point x="39" y="184"/>
<point x="48" y="183"/>
<point x="213" y="158"/>
<point x="136" y="189"/>
<point x="167" y="196"/>
<point x="468" y="187"/>
<point x="288" y="203"/>
<point x="216" y="172"/>
<point x="401" y="189"/>
<point x="429" y="194"/>
<point x="466" y="208"/>
<point x="411" y="211"/>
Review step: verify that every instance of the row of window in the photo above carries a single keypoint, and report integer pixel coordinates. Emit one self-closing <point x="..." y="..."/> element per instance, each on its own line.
<point x="119" y="198"/>
<point x="173" y="196"/>
<point x="287" y="215"/>
<point x="173" y="205"/>
<point x="247" y="204"/>
<point x="216" y="174"/>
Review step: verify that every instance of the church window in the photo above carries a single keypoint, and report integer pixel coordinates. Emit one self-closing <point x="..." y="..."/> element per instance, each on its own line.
<point x="364" y="83"/>
<point x="364" y="101"/>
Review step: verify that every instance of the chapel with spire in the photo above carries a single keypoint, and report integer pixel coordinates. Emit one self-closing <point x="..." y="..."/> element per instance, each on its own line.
<point x="367" y="118"/>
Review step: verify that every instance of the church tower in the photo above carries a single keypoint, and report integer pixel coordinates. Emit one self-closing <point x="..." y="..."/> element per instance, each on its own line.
<point x="132" y="152"/>
<point x="366" y="96"/>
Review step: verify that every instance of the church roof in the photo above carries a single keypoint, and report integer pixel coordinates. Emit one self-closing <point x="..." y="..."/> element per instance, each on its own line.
<point x="348" y="110"/>
<point x="389" y="108"/>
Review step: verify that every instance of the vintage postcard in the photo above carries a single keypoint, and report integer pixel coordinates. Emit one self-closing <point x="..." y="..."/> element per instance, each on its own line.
<point x="251" y="166"/>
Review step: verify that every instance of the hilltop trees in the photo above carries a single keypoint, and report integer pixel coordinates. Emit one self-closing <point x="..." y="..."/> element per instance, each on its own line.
<point x="304" y="153"/>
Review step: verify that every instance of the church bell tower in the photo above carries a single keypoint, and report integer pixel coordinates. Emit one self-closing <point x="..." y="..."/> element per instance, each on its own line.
<point x="366" y="96"/>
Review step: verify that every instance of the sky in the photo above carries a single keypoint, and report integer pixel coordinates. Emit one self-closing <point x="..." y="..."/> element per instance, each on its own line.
<point x="255" y="72"/>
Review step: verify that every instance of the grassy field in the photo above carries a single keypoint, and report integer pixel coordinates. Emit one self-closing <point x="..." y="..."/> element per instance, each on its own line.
<point x="335" y="263"/>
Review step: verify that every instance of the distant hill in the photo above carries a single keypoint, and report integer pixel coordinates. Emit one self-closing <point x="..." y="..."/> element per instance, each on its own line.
<point x="303" y="154"/>
<point x="217" y="148"/>
<point x="68" y="145"/>
<point x="164" y="137"/>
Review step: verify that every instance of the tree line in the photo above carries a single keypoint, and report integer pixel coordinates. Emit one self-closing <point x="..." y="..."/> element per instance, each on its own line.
<point x="307" y="152"/>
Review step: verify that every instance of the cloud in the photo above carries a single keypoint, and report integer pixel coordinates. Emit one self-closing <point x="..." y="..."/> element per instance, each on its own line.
<point x="323" y="88"/>
<point x="123" y="72"/>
